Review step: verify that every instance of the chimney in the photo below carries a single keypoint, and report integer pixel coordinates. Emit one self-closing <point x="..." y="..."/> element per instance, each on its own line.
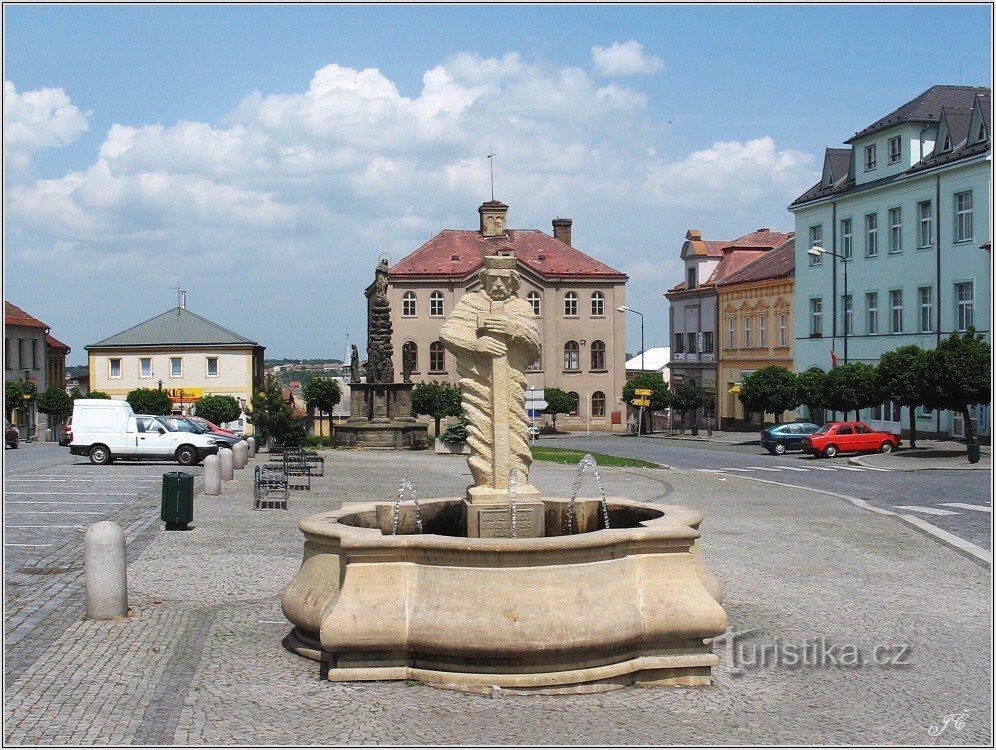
<point x="183" y="300"/>
<point x="493" y="215"/>
<point x="562" y="230"/>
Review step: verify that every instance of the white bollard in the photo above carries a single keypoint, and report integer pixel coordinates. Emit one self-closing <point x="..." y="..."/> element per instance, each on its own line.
<point x="240" y="454"/>
<point x="227" y="467"/>
<point x="212" y="475"/>
<point x="252" y="447"/>
<point x="104" y="573"/>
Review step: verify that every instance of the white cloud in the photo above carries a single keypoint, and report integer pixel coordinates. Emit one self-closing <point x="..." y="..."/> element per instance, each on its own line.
<point x="625" y="59"/>
<point x="35" y="120"/>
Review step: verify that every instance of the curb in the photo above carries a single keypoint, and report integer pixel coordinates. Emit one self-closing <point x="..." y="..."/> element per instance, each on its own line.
<point x="863" y="462"/>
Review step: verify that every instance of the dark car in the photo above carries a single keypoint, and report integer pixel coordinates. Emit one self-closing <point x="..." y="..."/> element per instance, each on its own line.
<point x="67" y="433"/>
<point x="786" y="437"/>
<point x="189" y="425"/>
<point x="10" y="436"/>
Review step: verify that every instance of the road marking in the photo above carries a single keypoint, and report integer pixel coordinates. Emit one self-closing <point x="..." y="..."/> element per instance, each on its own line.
<point x="792" y="468"/>
<point x="928" y="511"/>
<point x="966" y="506"/>
<point x="873" y="468"/>
<point x="849" y="468"/>
<point x="63" y="502"/>
<point x="11" y="544"/>
<point x="732" y="468"/>
<point x="763" y="468"/>
<point x="44" y="526"/>
<point x="710" y="471"/>
<point x="75" y="494"/>
<point x="823" y="468"/>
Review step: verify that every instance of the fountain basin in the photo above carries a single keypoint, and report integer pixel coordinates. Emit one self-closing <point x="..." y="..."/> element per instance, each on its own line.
<point x="584" y="612"/>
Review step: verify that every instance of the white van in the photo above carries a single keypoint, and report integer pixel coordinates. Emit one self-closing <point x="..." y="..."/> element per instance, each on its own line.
<point x="106" y="430"/>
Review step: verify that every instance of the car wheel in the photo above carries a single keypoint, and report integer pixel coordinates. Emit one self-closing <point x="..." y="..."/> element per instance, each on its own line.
<point x="100" y="455"/>
<point x="186" y="455"/>
<point x="830" y="451"/>
<point x="887" y="447"/>
<point x="778" y="448"/>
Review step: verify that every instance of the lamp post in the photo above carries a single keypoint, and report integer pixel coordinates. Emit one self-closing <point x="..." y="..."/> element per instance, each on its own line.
<point x="816" y="251"/>
<point x="27" y="405"/>
<point x="624" y="309"/>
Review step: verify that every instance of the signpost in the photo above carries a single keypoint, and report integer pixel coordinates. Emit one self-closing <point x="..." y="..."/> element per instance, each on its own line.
<point x="534" y="403"/>
<point x="642" y="399"/>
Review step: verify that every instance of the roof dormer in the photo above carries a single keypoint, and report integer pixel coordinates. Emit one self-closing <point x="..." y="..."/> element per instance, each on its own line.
<point x="978" y="129"/>
<point x="943" y="143"/>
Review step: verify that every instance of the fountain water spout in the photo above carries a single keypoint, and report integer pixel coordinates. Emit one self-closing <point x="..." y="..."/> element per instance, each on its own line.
<point x="586" y="463"/>
<point x="403" y="488"/>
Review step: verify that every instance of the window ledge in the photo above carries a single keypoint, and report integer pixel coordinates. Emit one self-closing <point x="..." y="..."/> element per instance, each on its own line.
<point x="965" y="241"/>
<point x="436" y="372"/>
<point x="572" y="372"/>
<point x="599" y="371"/>
<point x="816" y="335"/>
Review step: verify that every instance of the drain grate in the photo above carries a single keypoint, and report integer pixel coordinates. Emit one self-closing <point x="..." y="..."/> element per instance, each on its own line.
<point x="32" y="570"/>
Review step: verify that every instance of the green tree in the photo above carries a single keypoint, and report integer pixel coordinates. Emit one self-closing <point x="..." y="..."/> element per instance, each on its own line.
<point x="57" y="403"/>
<point x="899" y="378"/>
<point x="149" y="401"/>
<point x="322" y="393"/>
<point x="770" y="389"/>
<point x="660" y="397"/>
<point x="557" y="402"/>
<point x="269" y="413"/>
<point x="851" y="387"/>
<point x="956" y="375"/>
<point x="13" y="396"/>
<point x="97" y="394"/>
<point x="218" y="409"/>
<point x="436" y="400"/>
<point x="810" y="390"/>
<point x="687" y="398"/>
<point x="456" y="432"/>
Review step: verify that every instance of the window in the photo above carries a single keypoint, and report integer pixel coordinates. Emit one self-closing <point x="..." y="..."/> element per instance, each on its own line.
<point x="436" y="305"/>
<point x="871" y="235"/>
<point x="597" y="305"/>
<point x="895" y="230"/>
<point x="816" y="240"/>
<point x="691" y="343"/>
<point x="871" y="304"/>
<point x="846" y="306"/>
<point x="597" y="355"/>
<point x="963" y="217"/>
<point x="176" y="367"/>
<point x="895" y="149"/>
<point x="692" y="278"/>
<point x="571" y="305"/>
<point x="572" y="356"/>
<point x="896" y="304"/>
<point x="707" y="342"/>
<point x="598" y="404"/>
<point x="816" y="317"/>
<point x="762" y="324"/>
<point x="782" y="329"/>
<point x="731" y="332"/>
<point x="437" y="357"/>
<point x="145" y="367"/>
<point x="679" y="343"/>
<point x="409" y="305"/>
<point x="747" y="331"/>
<point x="926" y="296"/>
<point x="538" y="364"/>
<point x="926" y="235"/>
<point x="533" y="299"/>
<point x="964" y="294"/>
<point x="870" y="157"/>
<point x="575" y="402"/>
<point x="925" y="412"/>
<point x="114" y="367"/>
<point x="846" y="234"/>
<point x="212" y="367"/>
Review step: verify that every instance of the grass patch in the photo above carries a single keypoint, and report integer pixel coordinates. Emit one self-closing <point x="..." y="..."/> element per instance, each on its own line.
<point x="567" y="456"/>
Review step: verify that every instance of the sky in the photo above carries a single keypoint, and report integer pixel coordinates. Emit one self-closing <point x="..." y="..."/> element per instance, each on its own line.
<point x="262" y="158"/>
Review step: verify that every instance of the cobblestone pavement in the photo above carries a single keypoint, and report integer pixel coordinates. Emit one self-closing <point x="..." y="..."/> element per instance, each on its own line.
<point x="200" y="661"/>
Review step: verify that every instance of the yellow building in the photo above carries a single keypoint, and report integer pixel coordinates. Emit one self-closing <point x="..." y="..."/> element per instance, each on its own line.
<point x="181" y="353"/>
<point x="755" y="328"/>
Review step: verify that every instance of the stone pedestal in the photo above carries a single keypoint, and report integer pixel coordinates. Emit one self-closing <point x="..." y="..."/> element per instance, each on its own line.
<point x="381" y="417"/>
<point x="488" y="513"/>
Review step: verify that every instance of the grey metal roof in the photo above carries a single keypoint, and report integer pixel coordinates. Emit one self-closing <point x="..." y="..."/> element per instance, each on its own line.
<point x="840" y="163"/>
<point x="924" y="108"/>
<point x="175" y="327"/>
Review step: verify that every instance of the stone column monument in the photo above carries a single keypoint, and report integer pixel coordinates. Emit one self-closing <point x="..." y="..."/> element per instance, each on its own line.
<point x="494" y="336"/>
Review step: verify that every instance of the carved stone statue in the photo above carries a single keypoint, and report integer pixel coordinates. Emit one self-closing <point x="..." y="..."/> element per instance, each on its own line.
<point x="494" y="337"/>
<point x="354" y="366"/>
<point x="380" y="365"/>
<point x="407" y="361"/>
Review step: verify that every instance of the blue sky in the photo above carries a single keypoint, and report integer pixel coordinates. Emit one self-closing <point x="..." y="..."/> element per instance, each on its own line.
<point x="264" y="156"/>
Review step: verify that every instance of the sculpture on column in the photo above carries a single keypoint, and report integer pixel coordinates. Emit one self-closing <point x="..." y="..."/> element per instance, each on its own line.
<point x="354" y="366"/>
<point x="407" y="361"/>
<point x="380" y="365"/>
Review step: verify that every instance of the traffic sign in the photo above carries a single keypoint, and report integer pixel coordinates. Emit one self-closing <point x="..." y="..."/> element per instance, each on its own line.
<point x="640" y="402"/>
<point x="643" y="392"/>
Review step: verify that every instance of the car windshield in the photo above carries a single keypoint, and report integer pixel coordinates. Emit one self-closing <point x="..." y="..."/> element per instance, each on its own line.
<point x="824" y="429"/>
<point x="174" y="424"/>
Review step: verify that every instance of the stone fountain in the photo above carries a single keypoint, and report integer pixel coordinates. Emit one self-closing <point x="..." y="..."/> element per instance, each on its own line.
<point x="504" y="587"/>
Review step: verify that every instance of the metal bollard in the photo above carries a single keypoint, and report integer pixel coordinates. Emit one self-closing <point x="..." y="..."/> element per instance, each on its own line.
<point x="252" y="447"/>
<point x="227" y="466"/>
<point x="212" y="475"/>
<point x="240" y="454"/>
<point x="104" y="572"/>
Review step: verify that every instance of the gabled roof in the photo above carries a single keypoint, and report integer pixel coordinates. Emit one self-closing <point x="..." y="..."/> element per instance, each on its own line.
<point x="838" y="163"/>
<point x="175" y="327"/>
<point x="15" y="316"/>
<point x="925" y="108"/>
<point x="745" y="250"/>
<point x="57" y="345"/>
<point x="776" y="264"/>
<point x="653" y="359"/>
<point x="696" y="247"/>
<point x="457" y="253"/>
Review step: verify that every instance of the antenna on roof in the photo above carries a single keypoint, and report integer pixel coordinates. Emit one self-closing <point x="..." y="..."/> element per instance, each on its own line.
<point x="491" y="159"/>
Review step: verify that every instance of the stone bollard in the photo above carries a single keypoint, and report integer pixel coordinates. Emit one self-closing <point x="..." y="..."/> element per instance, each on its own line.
<point x="240" y="454"/>
<point x="252" y="447"/>
<point x="48" y="435"/>
<point x="227" y="467"/>
<point x="104" y="573"/>
<point x="212" y="475"/>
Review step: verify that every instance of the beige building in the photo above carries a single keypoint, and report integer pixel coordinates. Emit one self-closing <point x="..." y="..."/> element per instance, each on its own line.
<point x="183" y="354"/>
<point x="755" y="328"/>
<point x="574" y="296"/>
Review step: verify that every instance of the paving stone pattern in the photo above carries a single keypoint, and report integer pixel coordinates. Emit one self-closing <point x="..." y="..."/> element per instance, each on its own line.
<point x="200" y="662"/>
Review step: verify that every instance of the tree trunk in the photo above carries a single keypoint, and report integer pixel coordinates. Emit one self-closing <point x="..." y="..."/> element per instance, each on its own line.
<point x="912" y="427"/>
<point x="437" y="425"/>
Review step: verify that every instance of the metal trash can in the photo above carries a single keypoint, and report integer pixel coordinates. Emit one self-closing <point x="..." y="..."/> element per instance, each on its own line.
<point x="695" y="429"/>
<point x="974" y="452"/>
<point x="178" y="500"/>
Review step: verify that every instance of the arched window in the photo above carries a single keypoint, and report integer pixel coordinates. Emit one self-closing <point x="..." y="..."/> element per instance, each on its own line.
<point x="409" y="306"/>
<point x="533" y="299"/>
<point x="572" y="356"/>
<point x="409" y="351"/>
<point x="437" y="359"/>
<point x="597" y="305"/>
<point x="436" y="305"/>
<point x="575" y="401"/>
<point x="597" y="355"/>
<point x="538" y="364"/>
<point x="598" y="404"/>
<point x="571" y="304"/>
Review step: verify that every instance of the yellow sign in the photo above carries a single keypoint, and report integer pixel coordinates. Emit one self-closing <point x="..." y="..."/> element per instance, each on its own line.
<point x="184" y="395"/>
<point x="643" y="392"/>
<point x="640" y="402"/>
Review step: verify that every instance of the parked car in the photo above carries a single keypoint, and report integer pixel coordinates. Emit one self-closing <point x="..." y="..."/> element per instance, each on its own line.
<point x="534" y="431"/>
<point x="848" y="437"/>
<point x="10" y="434"/>
<point x="236" y="427"/>
<point x="188" y="424"/>
<point x="786" y="437"/>
<point x="211" y="426"/>
<point x="66" y="436"/>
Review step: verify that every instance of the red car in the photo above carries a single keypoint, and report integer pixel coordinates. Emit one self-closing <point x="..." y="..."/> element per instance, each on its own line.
<point x="848" y="437"/>
<point x="211" y="426"/>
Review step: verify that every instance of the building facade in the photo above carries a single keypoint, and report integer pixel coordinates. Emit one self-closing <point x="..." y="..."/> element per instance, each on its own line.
<point x="181" y="353"/>
<point x="755" y="312"/>
<point x="573" y="295"/>
<point x="907" y="209"/>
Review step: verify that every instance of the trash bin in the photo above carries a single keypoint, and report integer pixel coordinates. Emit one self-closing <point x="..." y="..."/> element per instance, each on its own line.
<point x="695" y="430"/>
<point x="178" y="500"/>
<point x="974" y="452"/>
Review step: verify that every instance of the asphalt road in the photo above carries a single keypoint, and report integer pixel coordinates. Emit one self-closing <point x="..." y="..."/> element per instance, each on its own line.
<point x="925" y="494"/>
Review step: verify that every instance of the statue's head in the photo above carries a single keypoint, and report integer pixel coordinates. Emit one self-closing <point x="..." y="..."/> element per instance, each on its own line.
<point x="499" y="277"/>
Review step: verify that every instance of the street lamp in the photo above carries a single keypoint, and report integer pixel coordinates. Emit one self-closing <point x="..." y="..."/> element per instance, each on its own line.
<point x="816" y="251"/>
<point x="624" y="309"/>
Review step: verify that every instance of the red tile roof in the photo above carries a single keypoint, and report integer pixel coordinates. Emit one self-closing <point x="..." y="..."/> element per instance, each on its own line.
<point x="776" y="264"/>
<point x="457" y="253"/>
<point x="745" y="250"/>
<point x="54" y="343"/>
<point x="15" y="316"/>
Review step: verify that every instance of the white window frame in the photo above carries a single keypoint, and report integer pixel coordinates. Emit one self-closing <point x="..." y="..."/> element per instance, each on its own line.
<point x="871" y="156"/>
<point x="597" y="350"/>
<point x="847" y="238"/>
<point x="871" y="235"/>
<point x="782" y="329"/>
<point x="679" y="343"/>
<point x="895" y="149"/>
<point x="437" y="356"/>
<point x="141" y="368"/>
<point x="964" y="224"/>
<point x="925" y="214"/>
<point x="762" y="324"/>
<point x="747" y="331"/>
<point x="111" y="361"/>
<point x="572" y="356"/>
<point x="926" y="302"/>
<point x="207" y="367"/>
<point x="571" y="305"/>
<point x="172" y="372"/>
<point x="409" y="305"/>
<point x="816" y="239"/>
<point x="895" y="311"/>
<point x="965" y="305"/>
<point x="895" y="230"/>
<point x="534" y="299"/>
<point x="871" y="319"/>
<point x="847" y="313"/>
<point x="597" y="305"/>
<point x="816" y="317"/>
<point x="436" y="304"/>
<point x="731" y="332"/>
